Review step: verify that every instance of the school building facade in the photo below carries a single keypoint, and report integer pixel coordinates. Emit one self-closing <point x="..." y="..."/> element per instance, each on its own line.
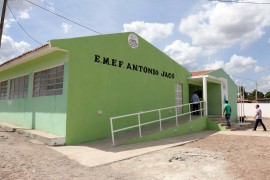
<point x="71" y="87"/>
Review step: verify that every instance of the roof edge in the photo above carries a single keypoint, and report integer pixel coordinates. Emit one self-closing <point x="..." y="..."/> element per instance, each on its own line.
<point x="29" y="56"/>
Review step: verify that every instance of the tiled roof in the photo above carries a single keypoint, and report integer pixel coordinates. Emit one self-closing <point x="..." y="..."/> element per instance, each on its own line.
<point x="199" y="73"/>
<point x="24" y="54"/>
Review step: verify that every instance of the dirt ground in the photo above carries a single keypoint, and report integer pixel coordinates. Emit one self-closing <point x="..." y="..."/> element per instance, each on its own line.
<point x="217" y="156"/>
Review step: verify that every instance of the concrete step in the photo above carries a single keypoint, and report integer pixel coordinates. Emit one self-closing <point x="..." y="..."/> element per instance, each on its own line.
<point x="47" y="138"/>
<point x="235" y="126"/>
<point x="241" y="126"/>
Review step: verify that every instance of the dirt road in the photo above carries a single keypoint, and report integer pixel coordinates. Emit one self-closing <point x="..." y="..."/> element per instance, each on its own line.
<point x="217" y="156"/>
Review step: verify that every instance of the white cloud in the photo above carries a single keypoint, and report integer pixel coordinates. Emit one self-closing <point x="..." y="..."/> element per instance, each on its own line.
<point x="258" y="69"/>
<point x="237" y="64"/>
<point x="20" y="7"/>
<point x="216" y="65"/>
<point x="222" y="25"/>
<point x="66" y="27"/>
<point x="24" y="14"/>
<point x="184" y="54"/>
<point x="9" y="48"/>
<point x="150" y="31"/>
<point x="8" y="23"/>
<point x="264" y="84"/>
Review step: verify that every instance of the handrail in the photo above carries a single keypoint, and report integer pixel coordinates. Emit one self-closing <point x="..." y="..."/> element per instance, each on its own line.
<point x="138" y="114"/>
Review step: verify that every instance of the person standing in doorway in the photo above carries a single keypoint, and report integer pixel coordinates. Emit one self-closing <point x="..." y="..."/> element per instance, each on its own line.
<point x="195" y="103"/>
<point x="258" y="117"/>
<point x="227" y="113"/>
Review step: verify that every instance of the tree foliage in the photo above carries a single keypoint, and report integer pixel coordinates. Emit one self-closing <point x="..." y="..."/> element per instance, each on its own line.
<point x="267" y="95"/>
<point x="252" y="95"/>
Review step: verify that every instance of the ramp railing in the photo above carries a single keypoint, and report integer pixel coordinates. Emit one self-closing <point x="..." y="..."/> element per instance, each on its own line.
<point x="178" y="113"/>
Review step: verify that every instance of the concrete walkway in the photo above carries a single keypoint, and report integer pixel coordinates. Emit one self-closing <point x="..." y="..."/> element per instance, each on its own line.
<point x="96" y="154"/>
<point x="102" y="152"/>
<point x="249" y="132"/>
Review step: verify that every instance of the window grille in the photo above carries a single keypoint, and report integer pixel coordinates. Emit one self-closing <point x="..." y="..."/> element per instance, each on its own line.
<point x="19" y="87"/>
<point x="3" y="89"/>
<point x="49" y="82"/>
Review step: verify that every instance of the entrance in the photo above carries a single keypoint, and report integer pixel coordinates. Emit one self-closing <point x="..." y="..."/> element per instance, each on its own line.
<point x="213" y="96"/>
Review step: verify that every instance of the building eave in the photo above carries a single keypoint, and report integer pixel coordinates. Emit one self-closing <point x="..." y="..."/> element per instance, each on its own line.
<point x="209" y="78"/>
<point x="29" y="56"/>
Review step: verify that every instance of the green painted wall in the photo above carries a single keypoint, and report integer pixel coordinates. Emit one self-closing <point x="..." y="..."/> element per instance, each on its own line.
<point x="114" y="89"/>
<point x="197" y="125"/>
<point x="232" y="91"/>
<point x="214" y="98"/>
<point x="47" y="113"/>
<point x="200" y="124"/>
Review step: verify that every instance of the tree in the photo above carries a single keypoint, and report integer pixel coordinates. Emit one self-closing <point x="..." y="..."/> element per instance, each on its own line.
<point x="267" y="95"/>
<point x="252" y="95"/>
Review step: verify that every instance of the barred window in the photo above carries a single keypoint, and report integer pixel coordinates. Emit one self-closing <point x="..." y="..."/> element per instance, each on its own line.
<point x="48" y="82"/>
<point x="3" y="89"/>
<point x="19" y="87"/>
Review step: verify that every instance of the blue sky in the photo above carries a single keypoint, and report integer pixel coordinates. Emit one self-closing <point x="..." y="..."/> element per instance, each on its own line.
<point x="198" y="34"/>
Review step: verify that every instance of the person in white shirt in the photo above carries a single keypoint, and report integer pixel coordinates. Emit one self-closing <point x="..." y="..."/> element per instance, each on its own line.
<point x="258" y="117"/>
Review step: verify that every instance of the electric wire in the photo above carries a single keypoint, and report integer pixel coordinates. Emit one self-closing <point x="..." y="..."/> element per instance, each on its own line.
<point x="64" y="17"/>
<point x="234" y="1"/>
<point x="22" y="27"/>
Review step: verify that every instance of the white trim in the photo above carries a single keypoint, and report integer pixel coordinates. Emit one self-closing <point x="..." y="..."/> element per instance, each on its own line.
<point x="209" y="78"/>
<point x="205" y="95"/>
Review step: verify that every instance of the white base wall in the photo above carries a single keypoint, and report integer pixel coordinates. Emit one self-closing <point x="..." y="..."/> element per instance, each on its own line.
<point x="248" y="109"/>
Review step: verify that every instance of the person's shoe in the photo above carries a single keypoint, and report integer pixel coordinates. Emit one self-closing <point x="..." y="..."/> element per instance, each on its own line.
<point x="264" y="130"/>
<point x="253" y="129"/>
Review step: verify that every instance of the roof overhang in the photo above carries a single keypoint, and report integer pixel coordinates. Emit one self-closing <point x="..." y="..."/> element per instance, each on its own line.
<point x="45" y="50"/>
<point x="208" y="77"/>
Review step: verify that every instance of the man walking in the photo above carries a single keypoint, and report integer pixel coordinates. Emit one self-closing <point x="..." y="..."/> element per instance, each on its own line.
<point x="195" y="103"/>
<point x="258" y="117"/>
<point x="227" y="113"/>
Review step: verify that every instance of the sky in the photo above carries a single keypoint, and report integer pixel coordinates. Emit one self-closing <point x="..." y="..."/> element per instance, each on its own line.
<point x="198" y="34"/>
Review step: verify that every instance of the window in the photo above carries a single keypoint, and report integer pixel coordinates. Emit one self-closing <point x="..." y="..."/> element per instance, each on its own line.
<point x="3" y="89"/>
<point x="19" y="87"/>
<point x="49" y="82"/>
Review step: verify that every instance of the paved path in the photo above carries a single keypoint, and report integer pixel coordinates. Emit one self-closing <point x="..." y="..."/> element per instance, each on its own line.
<point x="96" y="154"/>
<point x="249" y="132"/>
<point x="100" y="152"/>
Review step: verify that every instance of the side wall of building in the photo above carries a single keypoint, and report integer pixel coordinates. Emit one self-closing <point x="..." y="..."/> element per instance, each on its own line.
<point x="107" y="78"/>
<point x="232" y="90"/>
<point x="45" y="113"/>
<point x="214" y="100"/>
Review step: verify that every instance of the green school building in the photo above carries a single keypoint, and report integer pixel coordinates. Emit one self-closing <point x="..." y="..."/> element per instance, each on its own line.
<point x="72" y="87"/>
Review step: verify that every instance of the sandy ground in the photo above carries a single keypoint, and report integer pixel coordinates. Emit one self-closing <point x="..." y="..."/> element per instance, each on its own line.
<point x="217" y="156"/>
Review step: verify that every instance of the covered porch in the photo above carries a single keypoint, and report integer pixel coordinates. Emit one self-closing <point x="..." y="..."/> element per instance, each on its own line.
<point x="212" y="90"/>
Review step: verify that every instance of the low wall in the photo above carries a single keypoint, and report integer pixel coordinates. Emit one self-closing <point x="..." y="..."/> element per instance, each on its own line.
<point x="249" y="109"/>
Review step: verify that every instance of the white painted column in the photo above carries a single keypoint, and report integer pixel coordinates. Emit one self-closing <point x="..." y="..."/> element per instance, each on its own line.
<point x="205" y="95"/>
